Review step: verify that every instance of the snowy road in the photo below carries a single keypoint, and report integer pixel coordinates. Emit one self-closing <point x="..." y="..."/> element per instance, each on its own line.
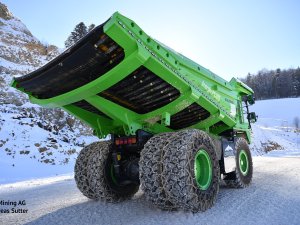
<point x="273" y="198"/>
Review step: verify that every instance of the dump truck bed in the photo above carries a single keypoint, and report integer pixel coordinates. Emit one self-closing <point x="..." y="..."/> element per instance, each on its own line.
<point x="74" y="68"/>
<point x="117" y="79"/>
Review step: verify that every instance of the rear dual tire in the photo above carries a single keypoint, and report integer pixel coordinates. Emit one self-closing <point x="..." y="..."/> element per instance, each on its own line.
<point x="94" y="175"/>
<point x="81" y="173"/>
<point x="186" y="171"/>
<point x="151" y="168"/>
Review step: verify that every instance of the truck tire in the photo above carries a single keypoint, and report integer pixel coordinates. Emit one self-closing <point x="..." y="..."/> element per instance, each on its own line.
<point x="101" y="176"/>
<point x="242" y="176"/>
<point x="151" y="167"/>
<point x="80" y="171"/>
<point x="191" y="170"/>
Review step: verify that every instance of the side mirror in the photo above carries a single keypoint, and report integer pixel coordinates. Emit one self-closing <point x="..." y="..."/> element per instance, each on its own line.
<point x="252" y="117"/>
<point x="250" y="99"/>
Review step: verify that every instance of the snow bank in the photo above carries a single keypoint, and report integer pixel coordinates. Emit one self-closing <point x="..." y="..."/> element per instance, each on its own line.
<point x="28" y="151"/>
<point x="275" y="131"/>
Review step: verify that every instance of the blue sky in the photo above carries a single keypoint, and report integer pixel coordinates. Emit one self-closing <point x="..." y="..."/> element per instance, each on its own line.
<point x="231" y="38"/>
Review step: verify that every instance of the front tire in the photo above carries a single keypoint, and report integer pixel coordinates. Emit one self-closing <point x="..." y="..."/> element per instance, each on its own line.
<point x="242" y="176"/>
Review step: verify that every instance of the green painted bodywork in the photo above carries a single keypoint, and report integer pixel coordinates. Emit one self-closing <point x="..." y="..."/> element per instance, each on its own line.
<point x="222" y="99"/>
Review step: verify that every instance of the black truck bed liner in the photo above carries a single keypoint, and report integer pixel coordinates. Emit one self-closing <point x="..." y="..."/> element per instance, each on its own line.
<point x="91" y="57"/>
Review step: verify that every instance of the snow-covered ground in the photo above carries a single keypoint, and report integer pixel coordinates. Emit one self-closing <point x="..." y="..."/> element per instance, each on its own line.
<point x="28" y="151"/>
<point x="275" y="131"/>
<point x="277" y="112"/>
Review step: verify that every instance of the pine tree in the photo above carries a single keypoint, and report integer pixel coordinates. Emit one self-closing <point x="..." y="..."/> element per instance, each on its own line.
<point x="79" y="32"/>
<point x="91" y="27"/>
<point x="277" y="83"/>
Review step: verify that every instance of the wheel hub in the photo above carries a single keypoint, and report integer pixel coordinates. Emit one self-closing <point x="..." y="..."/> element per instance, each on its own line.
<point x="243" y="161"/>
<point x="203" y="169"/>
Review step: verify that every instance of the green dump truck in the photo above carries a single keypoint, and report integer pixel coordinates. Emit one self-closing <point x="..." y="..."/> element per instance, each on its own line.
<point x="173" y="124"/>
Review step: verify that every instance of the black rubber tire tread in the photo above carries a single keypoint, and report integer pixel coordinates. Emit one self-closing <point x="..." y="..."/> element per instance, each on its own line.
<point x="100" y="179"/>
<point x="236" y="179"/>
<point x="180" y="183"/>
<point x="80" y="171"/>
<point x="151" y="167"/>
